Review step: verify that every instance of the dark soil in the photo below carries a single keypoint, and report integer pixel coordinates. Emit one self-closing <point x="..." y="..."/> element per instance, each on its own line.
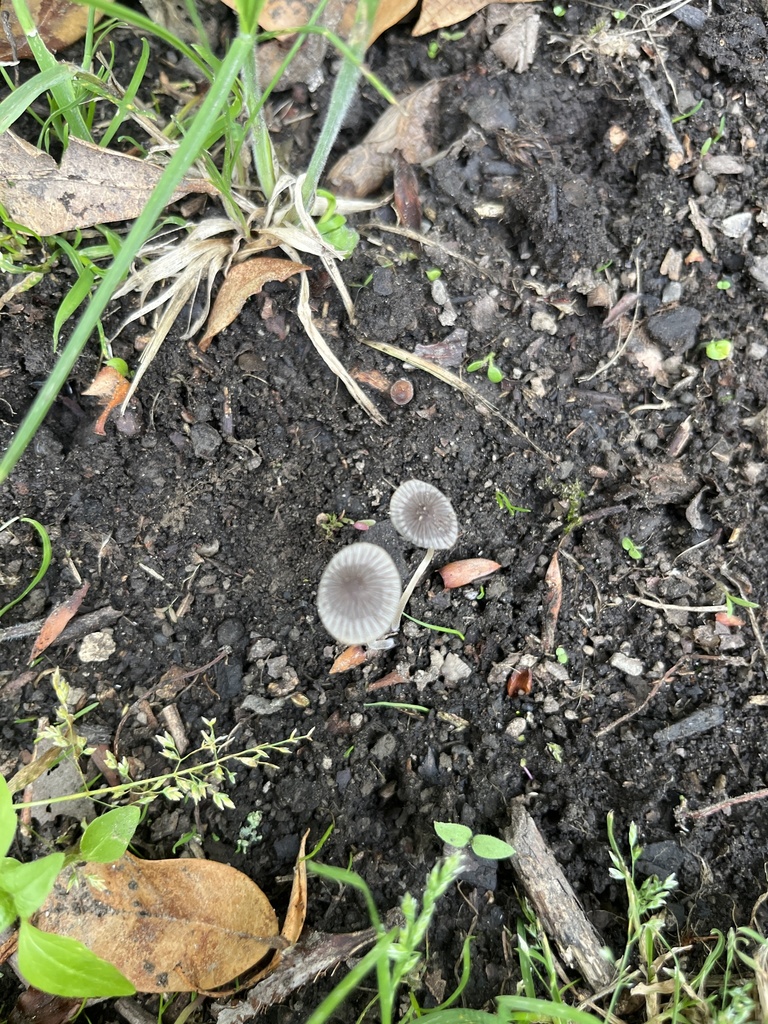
<point x="204" y="536"/>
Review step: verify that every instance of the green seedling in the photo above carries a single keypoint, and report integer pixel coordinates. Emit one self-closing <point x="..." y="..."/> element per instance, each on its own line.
<point x="331" y="523"/>
<point x="433" y="49"/>
<point x="559" y="11"/>
<point x="433" y="627"/>
<point x="732" y="602"/>
<point x="618" y="15"/>
<point x="562" y="655"/>
<point x="504" y="503"/>
<point x="334" y="228"/>
<point x="57" y="964"/>
<point x="708" y="143"/>
<point x="556" y="751"/>
<point x="45" y="558"/>
<point x="631" y="548"/>
<point x="460" y="836"/>
<point x="688" y="113"/>
<point x="433" y="274"/>
<point x="602" y="267"/>
<point x="719" y="349"/>
<point x="397" y="706"/>
<point x="480" y="593"/>
<point x="573" y="494"/>
<point x="723" y="284"/>
<point x="492" y="372"/>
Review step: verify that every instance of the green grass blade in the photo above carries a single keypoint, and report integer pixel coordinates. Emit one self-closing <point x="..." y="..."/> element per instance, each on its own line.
<point x="13" y="106"/>
<point x="63" y="92"/>
<point x="45" y="561"/>
<point x="127" y="99"/>
<point x="188" y="151"/>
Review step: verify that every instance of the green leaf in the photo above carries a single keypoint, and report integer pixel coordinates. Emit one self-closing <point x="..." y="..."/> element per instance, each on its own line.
<point x="7" y="911"/>
<point x="495" y="376"/>
<point x="8" y="820"/>
<point x="65" y="967"/>
<point x="477" y="365"/>
<point x="29" y="884"/>
<point x="453" y="834"/>
<point x="107" y="837"/>
<point x="491" y="848"/>
<point x="719" y="349"/>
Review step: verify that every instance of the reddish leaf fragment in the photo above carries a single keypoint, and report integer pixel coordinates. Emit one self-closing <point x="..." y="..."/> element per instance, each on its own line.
<point x="553" y="598"/>
<point x="243" y="281"/>
<point x="520" y="681"/>
<point x="729" y="620"/>
<point x="459" y="574"/>
<point x="110" y="387"/>
<point x="407" y="198"/>
<point x="57" y="620"/>
<point x="349" y="658"/>
<point x="390" y="679"/>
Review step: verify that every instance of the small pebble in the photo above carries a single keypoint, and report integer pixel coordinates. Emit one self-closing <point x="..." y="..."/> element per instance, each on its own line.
<point x="515" y="729"/>
<point x="675" y="328"/>
<point x="205" y="440"/>
<point x="97" y="647"/>
<point x="541" y="321"/>
<point x="629" y="666"/>
<point x="230" y="632"/>
<point x="737" y="225"/>
<point x="672" y="293"/>
<point x="401" y="391"/>
<point x="704" y="183"/>
<point x="454" y="669"/>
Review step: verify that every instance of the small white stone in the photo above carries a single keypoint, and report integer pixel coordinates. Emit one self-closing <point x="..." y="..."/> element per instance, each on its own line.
<point x="454" y="669"/>
<point x="541" y="321"/>
<point x="629" y="666"/>
<point x="516" y="728"/>
<point x="97" y="647"/>
<point x="737" y="225"/>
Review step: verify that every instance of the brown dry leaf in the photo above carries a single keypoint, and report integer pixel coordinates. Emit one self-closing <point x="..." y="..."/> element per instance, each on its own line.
<point x="59" y="23"/>
<point x="57" y="620"/>
<point x="168" y="925"/>
<point x="459" y="574"/>
<point x="110" y="387"/>
<point x="91" y="186"/>
<point x="242" y="281"/>
<point x="296" y="914"/>
<point x="349" y="658"/>
<point x="442" y="13"/>
<point x="362" y="170"/>
<point x="553" y="598"/>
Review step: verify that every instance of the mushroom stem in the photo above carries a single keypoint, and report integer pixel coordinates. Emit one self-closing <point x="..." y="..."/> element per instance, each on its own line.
<point x="414" y="581"/>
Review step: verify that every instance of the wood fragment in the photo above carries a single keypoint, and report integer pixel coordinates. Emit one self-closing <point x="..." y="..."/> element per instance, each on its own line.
<point x="554" y="901"/>
<point x="82" y="626"/>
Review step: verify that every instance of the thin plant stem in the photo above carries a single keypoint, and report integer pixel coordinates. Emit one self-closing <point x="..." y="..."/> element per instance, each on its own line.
<point x="341" y="97"/>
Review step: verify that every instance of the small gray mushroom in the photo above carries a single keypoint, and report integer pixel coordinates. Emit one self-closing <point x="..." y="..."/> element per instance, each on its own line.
<point x="359" y="593"/>
<point x="423" y="515"/>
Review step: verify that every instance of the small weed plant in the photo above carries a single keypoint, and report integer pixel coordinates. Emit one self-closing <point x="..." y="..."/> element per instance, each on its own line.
<point x="221" y="138"/>
<point x="487" y="363"/>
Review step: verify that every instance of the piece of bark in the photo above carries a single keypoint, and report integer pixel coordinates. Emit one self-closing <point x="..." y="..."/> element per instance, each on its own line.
<point x="554" y="901"/>
<point x="83" y="625"/>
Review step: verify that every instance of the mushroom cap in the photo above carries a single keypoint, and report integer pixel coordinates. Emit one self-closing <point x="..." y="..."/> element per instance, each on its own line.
<point x="423" y="515"/>
<point x="358" y="593"/>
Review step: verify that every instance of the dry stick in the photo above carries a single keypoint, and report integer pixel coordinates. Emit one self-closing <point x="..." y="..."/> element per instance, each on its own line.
<point x="667" y="677"/>
<point x="554" y="901"/>
<point x="78" y="628"/>
<point x="455" y="382"/>
<point x="724" y="805"/>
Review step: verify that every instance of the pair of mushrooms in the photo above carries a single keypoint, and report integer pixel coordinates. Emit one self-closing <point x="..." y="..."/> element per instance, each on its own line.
<point x="360" y="595"/>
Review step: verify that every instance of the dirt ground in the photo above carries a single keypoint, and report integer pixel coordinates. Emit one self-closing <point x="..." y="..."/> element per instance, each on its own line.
<point x="563" y="189"/>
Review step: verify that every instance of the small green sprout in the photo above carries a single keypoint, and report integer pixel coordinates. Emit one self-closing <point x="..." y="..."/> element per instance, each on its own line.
<point x="480" y="593"/>
<point x="556" y="751"/>
<point x="708" y="143"/>
<point x="433" y="274"/>
<point x="559" y="11"/>
<point x="723" y="284"/>
<point x="433" y="627"/>
<point x="603" y="267"/>
<point x="364" y="283"/>
<point x="719" y="349"/>
<point x="504" y="503"/>
<point x="562" y="655"/>
<point x="688" y="113"/>
<point x="619" y="15"/>
<point x="433" y="49"/>
<point x="452" y="37"/>
<point x="631" y="548"/>
<point x="460" y="836"/>
<point x="492" y="371"/>
<point x="732" y="602"/>
<point x="120" y="365"/>
<point x="334" y="228"/>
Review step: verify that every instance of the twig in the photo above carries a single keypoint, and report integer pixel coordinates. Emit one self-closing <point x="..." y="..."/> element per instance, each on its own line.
<point x="82" y="626"/>
<point x="725" y="805"/>
<point x="668" y="675"/>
